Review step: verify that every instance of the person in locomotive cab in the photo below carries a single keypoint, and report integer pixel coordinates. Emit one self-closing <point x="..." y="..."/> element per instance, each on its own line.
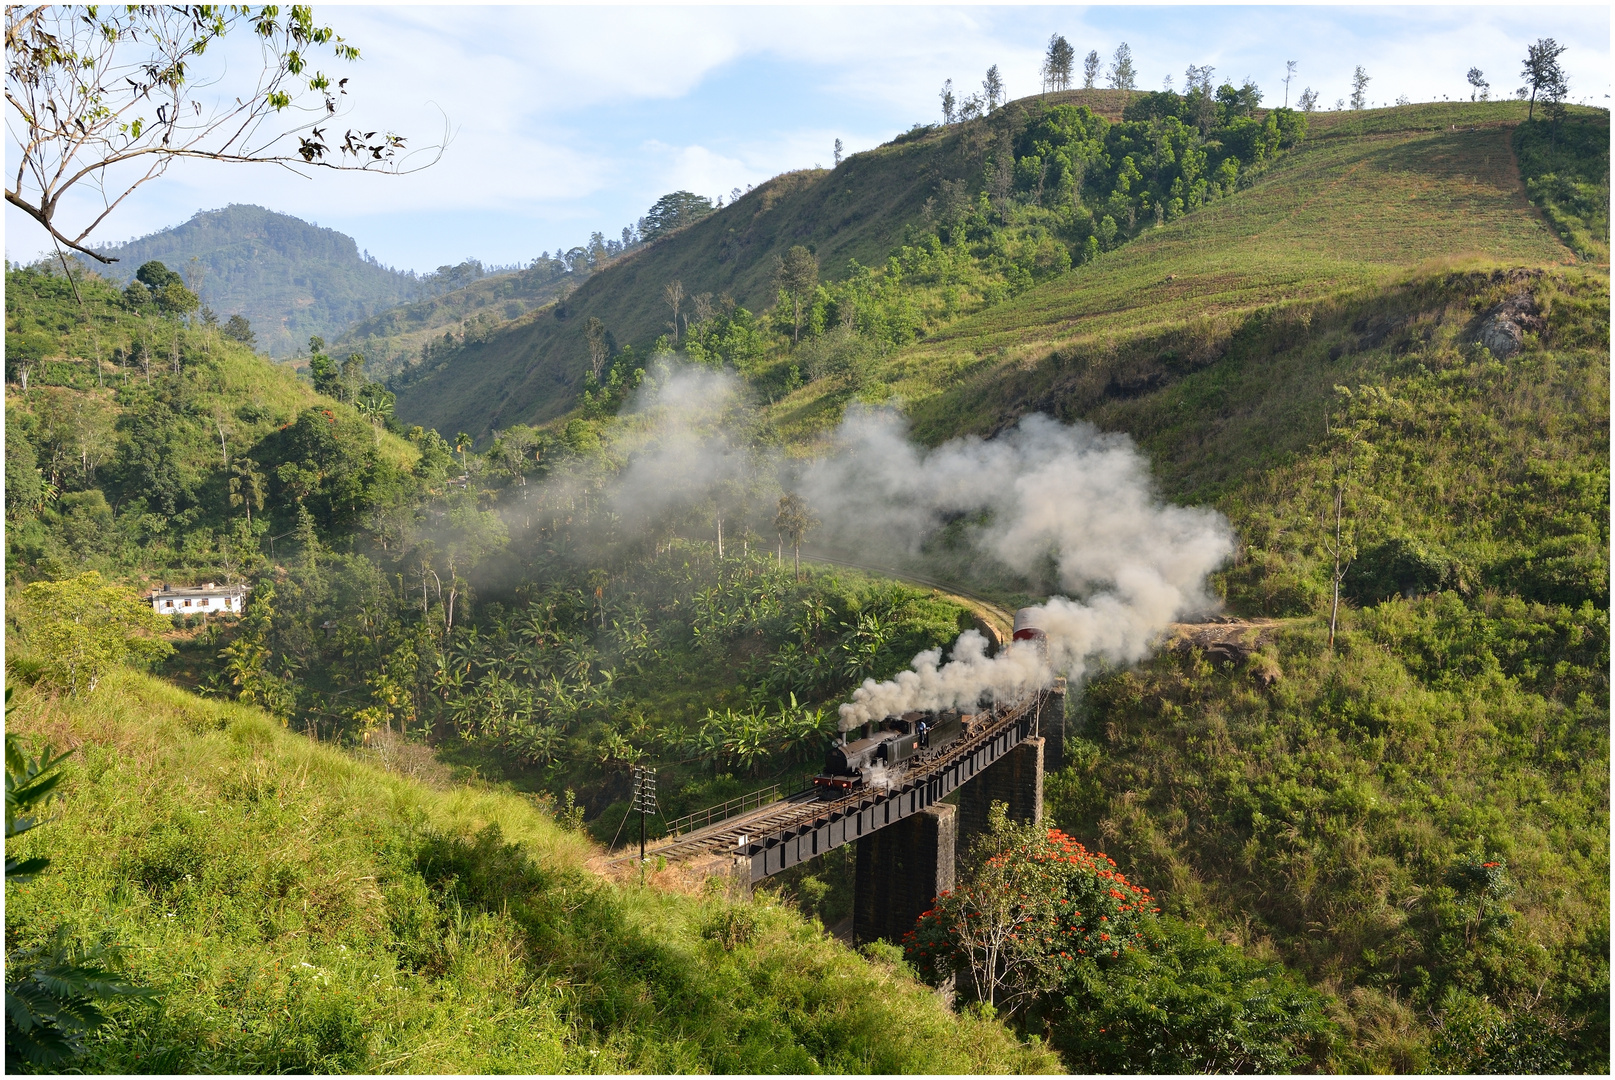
<point x="925" y="734"/>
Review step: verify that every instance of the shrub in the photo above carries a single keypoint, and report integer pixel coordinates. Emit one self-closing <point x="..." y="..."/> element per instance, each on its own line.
<point x="82" y="626"/>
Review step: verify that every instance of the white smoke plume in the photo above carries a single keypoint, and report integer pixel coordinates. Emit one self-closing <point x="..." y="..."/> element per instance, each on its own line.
<point x="1041" y="497"/>
<point x="1042" y="493"/>
<point x="878" y="777"/>
<point x="676" y="438"/>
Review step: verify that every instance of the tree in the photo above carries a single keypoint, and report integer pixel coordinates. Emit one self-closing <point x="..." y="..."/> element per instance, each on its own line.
<point x="1479" y="88"/>
<point x="949" y="104"/>
<point x="1308" y="101"/>
<point x="594" y="332"/>
<point x="992" y="88"/>
<point x="1057" y="63"/>
<point x="237" y="328"/>
<point x="795" y="520"/>
<point x="322" y="369"/>
<point x="1090" y="69"/>
<point x="246" y="487"/>
<point x="351" y="378"/>
<point x="837" y="151"/>
<point x="164" y="288"/>
<point x="1201" y="101"/>
<point x="1033" y="907"/>
<point x="797" y="275"/>
<point x="106" y="97"/>
<point x="1542" y="70"/>
<point x="673" y="297"/>
<point x="1121" y="75"/>
<point x="1359" y="88"/>
<point x="1289" y="73"/>
<point x="82" y="627"/>
<point x="1349" y="458"/>
<point x="673" y="211"/>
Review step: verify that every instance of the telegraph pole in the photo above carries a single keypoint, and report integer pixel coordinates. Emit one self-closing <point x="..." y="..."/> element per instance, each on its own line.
<point x="644" y="801"/>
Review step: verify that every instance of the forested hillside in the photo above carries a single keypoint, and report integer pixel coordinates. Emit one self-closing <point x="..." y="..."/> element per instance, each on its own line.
<point x="291" y="280"/>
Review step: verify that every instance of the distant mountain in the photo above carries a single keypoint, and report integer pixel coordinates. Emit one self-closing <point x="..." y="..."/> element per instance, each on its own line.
<point x="289" y="278"/>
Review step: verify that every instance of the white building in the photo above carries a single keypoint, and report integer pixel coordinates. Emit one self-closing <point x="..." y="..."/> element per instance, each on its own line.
<point x="209" y="599"/>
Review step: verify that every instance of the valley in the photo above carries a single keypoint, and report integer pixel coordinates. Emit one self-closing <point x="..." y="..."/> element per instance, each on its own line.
<point x="538" y="533"/>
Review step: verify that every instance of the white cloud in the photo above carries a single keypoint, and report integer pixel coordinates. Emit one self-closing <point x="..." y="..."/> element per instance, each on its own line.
<point x="569" y="119"/>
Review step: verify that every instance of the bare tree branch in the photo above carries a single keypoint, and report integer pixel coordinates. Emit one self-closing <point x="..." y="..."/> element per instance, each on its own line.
<point x="91" y="91"/>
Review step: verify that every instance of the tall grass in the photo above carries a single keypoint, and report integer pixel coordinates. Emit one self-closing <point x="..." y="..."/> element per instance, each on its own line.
<point x="303" y="911"/>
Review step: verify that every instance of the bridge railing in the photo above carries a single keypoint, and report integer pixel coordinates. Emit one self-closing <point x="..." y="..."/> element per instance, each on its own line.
<point x="723" y="811"/>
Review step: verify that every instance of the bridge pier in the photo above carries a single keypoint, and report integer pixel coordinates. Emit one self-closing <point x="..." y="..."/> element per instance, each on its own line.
<point x="900" y="870"/>
<point x="1015" y="779"/>
<point x="1051" y="725"/>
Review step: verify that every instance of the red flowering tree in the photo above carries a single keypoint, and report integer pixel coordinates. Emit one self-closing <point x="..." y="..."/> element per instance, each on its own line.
<point x="1034" y="905"/>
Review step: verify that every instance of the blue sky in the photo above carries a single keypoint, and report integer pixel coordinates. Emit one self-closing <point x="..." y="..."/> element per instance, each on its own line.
<point x="569" y="119"/>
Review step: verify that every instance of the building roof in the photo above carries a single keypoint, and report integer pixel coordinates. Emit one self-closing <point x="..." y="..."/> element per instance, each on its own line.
<point x="210" y="589"/>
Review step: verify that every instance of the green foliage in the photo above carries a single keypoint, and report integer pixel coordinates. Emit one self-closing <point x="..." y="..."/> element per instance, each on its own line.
<point x="30" y="784"/>
<point x="672" y="212"/>
<point x="138" y="441"/>
<point x="1565" y="165"/>
<point x="432" y="930"/>
<point x="1182" y="1002"/>
<point x="1055" y="932"/>
<point x="52" y="989"/>
<point x="82" y="627"/>
<point x="54" y="997"/>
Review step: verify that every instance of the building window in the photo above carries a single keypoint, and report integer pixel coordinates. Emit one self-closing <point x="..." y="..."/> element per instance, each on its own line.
<point x="202" y="603"/>
<point x="168" y="603"/>
<point x="186" y="603"/>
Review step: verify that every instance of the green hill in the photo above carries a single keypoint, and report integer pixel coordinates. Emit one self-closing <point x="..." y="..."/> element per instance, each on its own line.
<point x="289" y="278"/>
<point x="1354" y="207"/>
<point x="1394" y="781"/>
<point x="304" y="911"/>
<point x="532" y="370"/>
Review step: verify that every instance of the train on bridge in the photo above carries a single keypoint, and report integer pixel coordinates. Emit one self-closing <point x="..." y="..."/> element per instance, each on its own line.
<point x="912" y="738"/>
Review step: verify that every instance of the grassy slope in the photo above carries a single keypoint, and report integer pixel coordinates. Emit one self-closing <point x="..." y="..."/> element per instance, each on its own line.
<point x="533" y="368"/>
<point x="303" y="911"/>
<point x="1340" y="213"/>
<point x="43" y="310"/>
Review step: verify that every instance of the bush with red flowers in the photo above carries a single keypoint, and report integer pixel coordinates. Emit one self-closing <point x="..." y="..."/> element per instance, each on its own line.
<point x="1036" y="905"/>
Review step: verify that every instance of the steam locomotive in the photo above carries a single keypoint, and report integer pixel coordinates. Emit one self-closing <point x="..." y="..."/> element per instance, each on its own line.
<point x="898" y="739"/>
<point x="893" y="741"/>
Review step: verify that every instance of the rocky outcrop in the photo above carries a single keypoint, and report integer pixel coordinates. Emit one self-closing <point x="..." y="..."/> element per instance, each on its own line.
<point x="1505" y="328"/>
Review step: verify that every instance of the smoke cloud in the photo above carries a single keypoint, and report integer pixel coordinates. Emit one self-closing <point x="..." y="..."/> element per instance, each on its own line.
<point x="1063" y="504"/>
<point x="1041" y="494"/>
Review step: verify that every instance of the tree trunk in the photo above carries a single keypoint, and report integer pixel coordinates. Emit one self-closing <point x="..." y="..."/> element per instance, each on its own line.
<point x="1334" y="604"/>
